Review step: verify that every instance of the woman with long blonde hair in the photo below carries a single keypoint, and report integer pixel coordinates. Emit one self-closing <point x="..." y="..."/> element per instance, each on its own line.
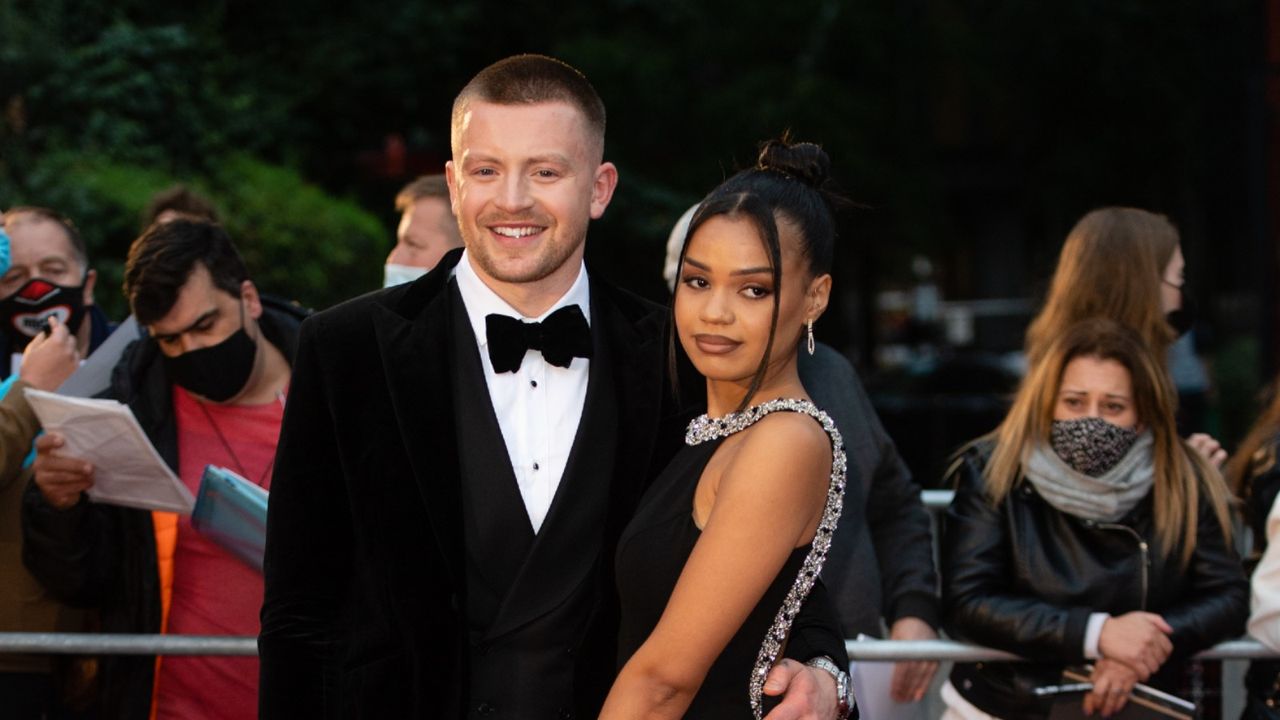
<point x="1085" y="530"/>
<point x="1086" y="284"/>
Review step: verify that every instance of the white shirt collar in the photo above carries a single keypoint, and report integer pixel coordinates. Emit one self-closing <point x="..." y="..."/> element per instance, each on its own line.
<point x="480" y="300"/>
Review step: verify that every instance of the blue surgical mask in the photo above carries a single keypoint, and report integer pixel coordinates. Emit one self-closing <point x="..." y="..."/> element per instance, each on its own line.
<point x="4" y="251"/>
<point x="397" y="274"/>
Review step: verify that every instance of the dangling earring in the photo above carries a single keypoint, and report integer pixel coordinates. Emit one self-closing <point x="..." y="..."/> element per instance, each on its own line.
<point x="811" y="344"/>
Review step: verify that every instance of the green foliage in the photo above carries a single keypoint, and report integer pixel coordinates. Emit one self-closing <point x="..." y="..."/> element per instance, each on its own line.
<point x="298" y="241"/>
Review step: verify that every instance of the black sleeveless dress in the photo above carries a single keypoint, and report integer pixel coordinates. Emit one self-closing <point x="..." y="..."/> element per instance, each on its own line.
<point x="657" y="542"/>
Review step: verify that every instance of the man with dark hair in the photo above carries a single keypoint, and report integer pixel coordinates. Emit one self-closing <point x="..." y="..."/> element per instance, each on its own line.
<point x="208" y="385"/>
<point x="178" y="203"/>
<point x="48" y="277"/>
<point x="426" y="232"/>
<point x="447" y="500"/>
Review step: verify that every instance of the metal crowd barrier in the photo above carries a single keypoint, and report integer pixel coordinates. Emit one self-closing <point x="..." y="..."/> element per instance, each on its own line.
<point x="866" y="650"/>
<point x="936" y="500"/>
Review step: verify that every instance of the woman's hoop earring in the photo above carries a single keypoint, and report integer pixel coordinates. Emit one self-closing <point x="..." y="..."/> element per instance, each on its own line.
<point x="809" y="324"/>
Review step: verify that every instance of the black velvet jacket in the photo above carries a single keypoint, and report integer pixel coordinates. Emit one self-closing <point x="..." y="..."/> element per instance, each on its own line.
<point x="1024" y="577"/>
<point x="366" y="564"/>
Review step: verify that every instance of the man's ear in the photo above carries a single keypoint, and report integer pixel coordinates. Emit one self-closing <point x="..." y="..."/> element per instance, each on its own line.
<point x="90" y="280"/>
<point x="252" y="301"/>
<point x="606" y="181"/>
<point x="452" y="182"/>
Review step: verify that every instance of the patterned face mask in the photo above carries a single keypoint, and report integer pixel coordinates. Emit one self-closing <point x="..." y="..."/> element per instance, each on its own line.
<point x="1091" y="445"/>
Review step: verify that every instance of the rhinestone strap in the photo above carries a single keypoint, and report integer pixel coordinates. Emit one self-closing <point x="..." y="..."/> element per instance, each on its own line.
<point x="703" y="429"/>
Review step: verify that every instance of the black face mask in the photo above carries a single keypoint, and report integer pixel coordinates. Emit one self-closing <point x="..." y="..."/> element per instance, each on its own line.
<point x="219" y="372"/>
<point x="1184" y="318"/>
<point x="25" y="312"/>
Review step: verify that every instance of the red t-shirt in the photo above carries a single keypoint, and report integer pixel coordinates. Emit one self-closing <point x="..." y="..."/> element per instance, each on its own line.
<point x="214" y="593"/>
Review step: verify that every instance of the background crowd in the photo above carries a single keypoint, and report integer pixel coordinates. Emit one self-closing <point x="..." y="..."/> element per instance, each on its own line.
<point x="974" y="116"/>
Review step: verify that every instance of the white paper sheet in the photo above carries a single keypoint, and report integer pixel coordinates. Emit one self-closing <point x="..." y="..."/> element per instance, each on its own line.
<point x="127" y="470"/>
<point x="94" y="374"/>
<point x="873" y="688"/>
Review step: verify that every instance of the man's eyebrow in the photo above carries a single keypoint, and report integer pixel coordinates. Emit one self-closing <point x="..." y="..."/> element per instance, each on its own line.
<point x="555" y="158"/>
<point x="169" y="336"/>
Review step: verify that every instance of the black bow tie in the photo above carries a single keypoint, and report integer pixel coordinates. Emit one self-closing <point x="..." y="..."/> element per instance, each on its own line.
<point x="560" y="338"/>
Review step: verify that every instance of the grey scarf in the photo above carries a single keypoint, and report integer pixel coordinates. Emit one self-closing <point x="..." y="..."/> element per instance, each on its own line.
<point x="1105" y="498"/>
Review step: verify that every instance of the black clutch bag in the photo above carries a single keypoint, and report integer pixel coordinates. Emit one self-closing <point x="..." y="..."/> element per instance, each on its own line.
<point x="1145" y="703"/>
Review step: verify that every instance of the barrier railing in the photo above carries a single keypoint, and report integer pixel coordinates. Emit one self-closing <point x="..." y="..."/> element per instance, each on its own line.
<point x="935" y="500"/>
<point x="953" y="651"/>
<point x="864" y="650"/>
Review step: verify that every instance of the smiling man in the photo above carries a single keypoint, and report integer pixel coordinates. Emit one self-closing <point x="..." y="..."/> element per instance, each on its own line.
<point x="460" y="453"/>
<point x="208" y="386"/>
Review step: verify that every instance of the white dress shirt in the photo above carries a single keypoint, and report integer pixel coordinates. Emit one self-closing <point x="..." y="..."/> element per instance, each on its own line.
<point x="538" y="406"/>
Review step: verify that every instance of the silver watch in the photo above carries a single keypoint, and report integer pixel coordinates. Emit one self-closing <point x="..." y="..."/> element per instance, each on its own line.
<point x="844" y="692"/>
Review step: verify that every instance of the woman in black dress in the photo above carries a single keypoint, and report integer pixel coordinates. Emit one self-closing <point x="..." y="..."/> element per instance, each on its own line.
<point x="728" y="542"/>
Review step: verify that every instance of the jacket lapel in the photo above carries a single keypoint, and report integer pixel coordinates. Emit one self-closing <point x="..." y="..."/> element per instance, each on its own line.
<point x="498" y="530"/>
<point x="411" y="337"/>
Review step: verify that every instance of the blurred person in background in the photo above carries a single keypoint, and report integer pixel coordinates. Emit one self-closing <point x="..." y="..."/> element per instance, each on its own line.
<point x="880" y="567"/>
<point x="1084" y="530"/>
<point x="427" y="230"/>
<point x="207" y="384"/>
<point x="179" y="202"/>
<point x="1125" y="264"/>
<point x="1254" y="475"/>
<point x="48" y="277"/>
<point x="32" y="686"/>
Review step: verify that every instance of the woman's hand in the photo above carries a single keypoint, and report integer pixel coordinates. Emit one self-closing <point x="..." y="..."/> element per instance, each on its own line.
<point x="1137" y="639"/>
<point x="1112" y="683"/>
<point x="1208" y="448"/>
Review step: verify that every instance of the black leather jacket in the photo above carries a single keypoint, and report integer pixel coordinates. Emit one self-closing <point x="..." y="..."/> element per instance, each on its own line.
<point x="1025" y="577"/>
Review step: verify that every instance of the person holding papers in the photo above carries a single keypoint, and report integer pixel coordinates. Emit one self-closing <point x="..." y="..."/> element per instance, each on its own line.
<point x="45" y="282"/>
<point x="207" y="384"/>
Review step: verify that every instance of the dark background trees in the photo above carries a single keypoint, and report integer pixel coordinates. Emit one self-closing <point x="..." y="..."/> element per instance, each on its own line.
<point x="976" y="132"/>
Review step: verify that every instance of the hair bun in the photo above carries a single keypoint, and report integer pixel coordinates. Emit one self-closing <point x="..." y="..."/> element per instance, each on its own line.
<point x="804" y="161"/>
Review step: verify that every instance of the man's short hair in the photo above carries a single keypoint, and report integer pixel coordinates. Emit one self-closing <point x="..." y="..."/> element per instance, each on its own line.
<point x="532" y="79"/>
<point x="182" y="200"/>
<point x="426" y="186"/>
<point x="161" y="261"/>
<point x="42" y="213"/>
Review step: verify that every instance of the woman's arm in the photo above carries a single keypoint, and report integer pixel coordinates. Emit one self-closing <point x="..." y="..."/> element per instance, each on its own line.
<point x="1216" y="606"/>
<point x="769" y="496"/>
<point x="979" y="604"/>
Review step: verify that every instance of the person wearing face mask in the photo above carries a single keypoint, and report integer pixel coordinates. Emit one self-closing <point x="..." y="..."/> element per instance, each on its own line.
<point x="48" y="277"/>
<point x="46" y="282"/>
<point x="1085" y="532"/>
<point x="1125" y="264"/>
<point x="426" y="232"/>
<point x="208" y="384"/>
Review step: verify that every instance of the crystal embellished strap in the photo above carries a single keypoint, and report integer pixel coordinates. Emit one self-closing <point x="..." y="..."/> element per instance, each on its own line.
<point x="703" y="429"/>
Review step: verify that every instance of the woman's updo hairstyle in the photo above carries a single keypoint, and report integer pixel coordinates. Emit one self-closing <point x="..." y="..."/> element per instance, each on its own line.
<point x="791" y="181"/>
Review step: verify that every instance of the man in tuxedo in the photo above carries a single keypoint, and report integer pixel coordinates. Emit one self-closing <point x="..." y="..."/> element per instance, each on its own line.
<point x="460" y="453"/>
